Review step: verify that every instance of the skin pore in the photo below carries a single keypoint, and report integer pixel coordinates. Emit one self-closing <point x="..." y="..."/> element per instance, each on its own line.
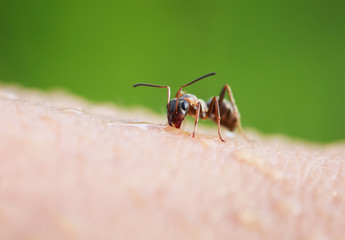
<point x="73" y="170"/>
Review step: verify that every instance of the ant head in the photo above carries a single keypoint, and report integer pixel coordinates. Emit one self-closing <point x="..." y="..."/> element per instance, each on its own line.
<point x="176" y="117"/>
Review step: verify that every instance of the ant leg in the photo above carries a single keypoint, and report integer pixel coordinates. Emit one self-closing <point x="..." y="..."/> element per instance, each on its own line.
<point x="235" y="109"/>
<point x="214" y="105"/>
<point x="196" y="117"/>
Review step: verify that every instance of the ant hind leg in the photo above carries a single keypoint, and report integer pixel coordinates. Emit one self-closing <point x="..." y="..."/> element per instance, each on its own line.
<point x="227" y="89"/>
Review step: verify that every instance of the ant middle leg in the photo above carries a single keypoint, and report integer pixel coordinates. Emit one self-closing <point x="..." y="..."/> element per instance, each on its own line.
<point x="214" y="109"/>
<point x="227" y="89"/>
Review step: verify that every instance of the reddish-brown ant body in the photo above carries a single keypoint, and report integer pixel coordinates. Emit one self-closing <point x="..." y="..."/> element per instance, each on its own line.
<point x="219" y="109"/>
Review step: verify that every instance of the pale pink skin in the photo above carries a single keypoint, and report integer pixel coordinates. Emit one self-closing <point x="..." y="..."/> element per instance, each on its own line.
<point x="65" y="174"/>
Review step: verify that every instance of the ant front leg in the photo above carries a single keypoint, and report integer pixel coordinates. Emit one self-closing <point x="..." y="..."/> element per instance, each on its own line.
<point x="196" y="117"/>
<point x="214" y="105"/>
<point x="235" y="109"/>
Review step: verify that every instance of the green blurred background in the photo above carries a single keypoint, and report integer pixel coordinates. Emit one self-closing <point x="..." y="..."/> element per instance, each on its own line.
<point x="283" y="59"/>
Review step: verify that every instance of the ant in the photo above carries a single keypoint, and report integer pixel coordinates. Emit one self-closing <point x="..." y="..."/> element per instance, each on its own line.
<point x="222" y="111"/>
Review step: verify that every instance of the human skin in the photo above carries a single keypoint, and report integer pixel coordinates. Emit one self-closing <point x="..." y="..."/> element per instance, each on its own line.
<point x="93" y="174"/>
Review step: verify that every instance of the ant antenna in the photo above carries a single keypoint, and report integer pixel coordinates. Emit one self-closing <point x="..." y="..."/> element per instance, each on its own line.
<point x="179" y="91"/>
<point x="157" y="86"/>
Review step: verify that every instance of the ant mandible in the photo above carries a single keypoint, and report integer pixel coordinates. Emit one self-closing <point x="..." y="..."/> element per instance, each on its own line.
<point x="222" y="111"/>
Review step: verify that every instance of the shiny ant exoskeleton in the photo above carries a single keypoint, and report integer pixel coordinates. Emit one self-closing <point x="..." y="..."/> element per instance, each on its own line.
<point x="222" y="111"/>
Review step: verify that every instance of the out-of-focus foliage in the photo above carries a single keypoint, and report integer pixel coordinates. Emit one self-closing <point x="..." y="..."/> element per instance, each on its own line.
<point x="285" y="60"/>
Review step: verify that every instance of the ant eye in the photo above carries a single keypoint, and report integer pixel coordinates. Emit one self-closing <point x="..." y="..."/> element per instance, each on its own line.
<point x="184" y="105"/>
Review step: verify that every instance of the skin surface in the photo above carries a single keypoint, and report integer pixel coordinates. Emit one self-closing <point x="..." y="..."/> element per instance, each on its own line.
<point x="90" y="174"/>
